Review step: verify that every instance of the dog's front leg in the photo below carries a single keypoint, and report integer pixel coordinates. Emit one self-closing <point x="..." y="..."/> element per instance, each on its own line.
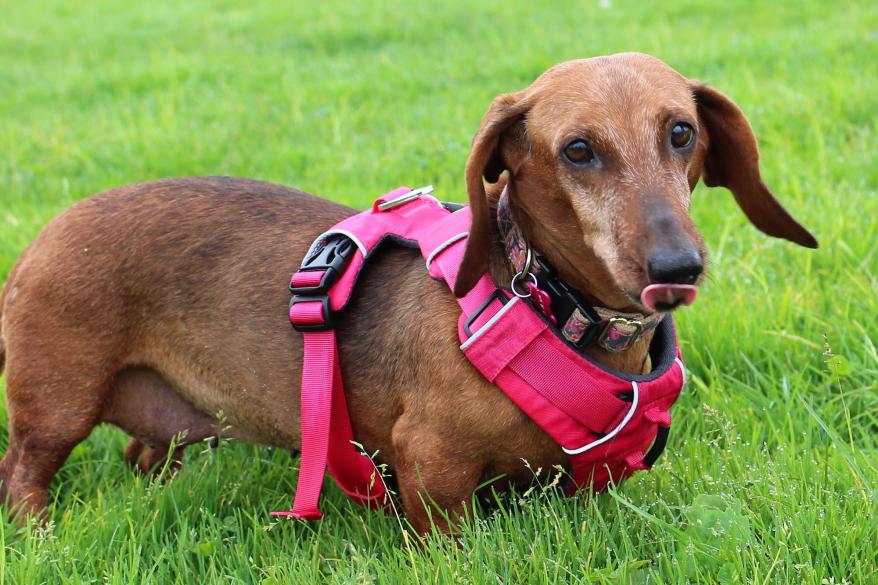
<point x="436" y="476"/>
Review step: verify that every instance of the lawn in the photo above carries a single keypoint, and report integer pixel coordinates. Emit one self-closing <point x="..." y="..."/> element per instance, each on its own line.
<point x="771" y="475"/>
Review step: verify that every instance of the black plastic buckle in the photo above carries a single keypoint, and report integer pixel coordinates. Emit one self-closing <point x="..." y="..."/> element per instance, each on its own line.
<point x="565" y="300"/>
<point x="497" y="295"/>
<point x="325" y="310"/>
<point x="330" y="255"/>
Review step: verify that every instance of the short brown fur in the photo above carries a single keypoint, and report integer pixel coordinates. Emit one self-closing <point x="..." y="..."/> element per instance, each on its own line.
<point x="157" y="306"/>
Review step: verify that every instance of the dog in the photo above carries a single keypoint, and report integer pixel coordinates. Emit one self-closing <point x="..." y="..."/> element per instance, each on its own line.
<point x="155" y="306"/>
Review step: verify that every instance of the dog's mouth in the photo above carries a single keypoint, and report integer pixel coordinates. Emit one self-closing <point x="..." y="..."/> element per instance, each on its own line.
<point x="664" y="298"/>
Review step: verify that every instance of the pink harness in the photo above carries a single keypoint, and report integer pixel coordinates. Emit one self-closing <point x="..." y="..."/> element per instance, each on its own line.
<point x="605" y="421"/>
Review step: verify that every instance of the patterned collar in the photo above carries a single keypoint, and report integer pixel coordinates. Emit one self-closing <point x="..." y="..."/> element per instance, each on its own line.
<point x="579" y="322"/>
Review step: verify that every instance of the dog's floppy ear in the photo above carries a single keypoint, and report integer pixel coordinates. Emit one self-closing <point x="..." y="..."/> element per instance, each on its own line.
<point x="485" y="163"/>
<point x="732" y="161"/>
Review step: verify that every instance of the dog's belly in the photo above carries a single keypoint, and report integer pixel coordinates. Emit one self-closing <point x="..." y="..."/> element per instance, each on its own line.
<point x="147" y="407"/>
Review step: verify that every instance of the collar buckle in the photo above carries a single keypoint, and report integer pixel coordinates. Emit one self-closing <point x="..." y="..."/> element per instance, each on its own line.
<point x="620" y="333"/>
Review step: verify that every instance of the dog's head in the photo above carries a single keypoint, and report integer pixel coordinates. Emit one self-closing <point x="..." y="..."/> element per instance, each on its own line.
<point x="602" y="156"/>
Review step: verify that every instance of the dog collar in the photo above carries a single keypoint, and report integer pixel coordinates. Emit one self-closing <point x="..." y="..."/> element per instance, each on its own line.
<point x="580" y="322"/>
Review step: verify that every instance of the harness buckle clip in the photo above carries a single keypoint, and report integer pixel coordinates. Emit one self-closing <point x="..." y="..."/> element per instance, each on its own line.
<point x="302" y="323"/>
<point x="569" y="306"/>
<point x="329" y="255"/>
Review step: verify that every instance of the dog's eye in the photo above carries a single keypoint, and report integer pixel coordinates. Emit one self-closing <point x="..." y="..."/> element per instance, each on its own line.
<point x="579" y="152"/>
<point x="681" y="135"/>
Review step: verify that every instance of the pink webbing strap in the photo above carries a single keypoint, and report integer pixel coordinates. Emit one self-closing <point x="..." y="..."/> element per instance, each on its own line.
<point x="326" y="429"/>
<point x="307" y="278"/>
<point x="319" y="381"/>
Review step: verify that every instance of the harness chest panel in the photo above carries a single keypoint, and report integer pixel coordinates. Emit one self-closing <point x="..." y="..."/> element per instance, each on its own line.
<point x="604" y="421"/>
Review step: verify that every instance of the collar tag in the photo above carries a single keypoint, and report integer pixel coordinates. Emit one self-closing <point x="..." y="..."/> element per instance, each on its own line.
<point x="620" y="334"/>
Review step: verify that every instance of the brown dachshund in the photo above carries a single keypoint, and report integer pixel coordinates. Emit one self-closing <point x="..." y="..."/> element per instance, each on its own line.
<point x="157" y="306"/>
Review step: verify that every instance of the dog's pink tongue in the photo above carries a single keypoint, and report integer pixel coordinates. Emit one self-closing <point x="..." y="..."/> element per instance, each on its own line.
<point x="665" y="296"/>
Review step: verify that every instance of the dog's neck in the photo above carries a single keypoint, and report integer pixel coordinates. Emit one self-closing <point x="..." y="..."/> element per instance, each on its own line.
<point x="634" y="360"/>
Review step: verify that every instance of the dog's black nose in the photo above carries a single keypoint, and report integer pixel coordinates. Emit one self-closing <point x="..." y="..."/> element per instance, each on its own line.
<point x="681" y="266"/>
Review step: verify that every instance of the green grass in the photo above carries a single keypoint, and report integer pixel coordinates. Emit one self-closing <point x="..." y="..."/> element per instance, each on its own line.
<point x="772" y="471"/>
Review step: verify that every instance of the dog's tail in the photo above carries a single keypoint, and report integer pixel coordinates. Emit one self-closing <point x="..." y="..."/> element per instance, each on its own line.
<point x="2" y="344"/>
<point x="4" y="291"/>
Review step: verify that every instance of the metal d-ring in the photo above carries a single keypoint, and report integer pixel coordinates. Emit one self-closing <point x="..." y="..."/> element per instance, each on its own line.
<point x="528" y="258"/>
<point x="525" y="271"/>
<point x="518" y="276"/>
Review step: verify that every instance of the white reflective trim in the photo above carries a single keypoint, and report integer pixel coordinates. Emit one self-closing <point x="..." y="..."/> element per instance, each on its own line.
<point x="319" y="238"/>
<point x="490" y="322"/>
<point x="682" y="370"/>
<point x="614" y="432"/>
<point x="444" y="245"/>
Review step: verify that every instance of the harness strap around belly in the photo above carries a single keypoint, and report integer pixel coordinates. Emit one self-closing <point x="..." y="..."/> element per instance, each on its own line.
<point x="323" y="284"/>
<point x="326" y="433"/>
